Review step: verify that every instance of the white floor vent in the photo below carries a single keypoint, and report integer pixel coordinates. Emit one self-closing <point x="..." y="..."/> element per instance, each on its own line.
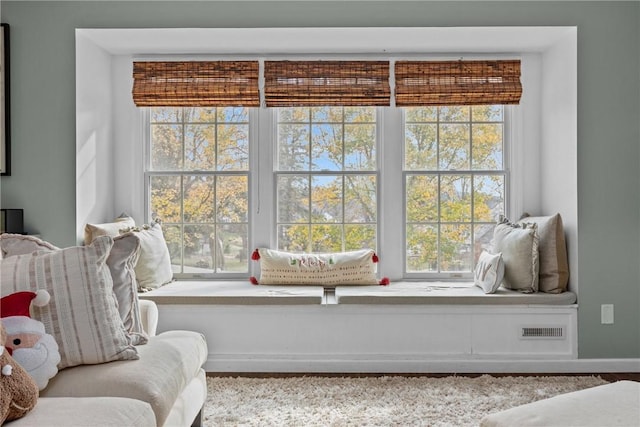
<point x="544" y="332"/>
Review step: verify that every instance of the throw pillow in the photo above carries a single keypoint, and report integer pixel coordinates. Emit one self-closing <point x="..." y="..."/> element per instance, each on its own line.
<point x="153" y="268"/>
<point x="554" y="264"/>
<point x="121" y="262"/>
<point x="518" y="244"/>
<point x="91" y="231"/>
<point x="19" y="244"/>
<point x="339" y="268"/>
<point x="489" y="272"/>
<point x="82" y="315"/>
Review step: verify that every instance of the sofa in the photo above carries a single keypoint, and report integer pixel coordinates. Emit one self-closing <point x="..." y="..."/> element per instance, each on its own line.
<point x="114" y="369"/>
<point x="166" y="386"/>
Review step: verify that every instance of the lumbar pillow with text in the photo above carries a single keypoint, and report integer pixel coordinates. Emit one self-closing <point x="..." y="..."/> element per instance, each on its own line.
<point x="121" y="262"/>
<point x="554" y="264"/>
<point x="79" y="282"/>
<point x="518" y="244"/>
<point x="489" y="272"/>
<point x="338" y="268"/>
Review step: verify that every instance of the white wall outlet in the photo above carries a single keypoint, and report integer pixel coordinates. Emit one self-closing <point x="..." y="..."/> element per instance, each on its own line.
<point x="606" y="314"/>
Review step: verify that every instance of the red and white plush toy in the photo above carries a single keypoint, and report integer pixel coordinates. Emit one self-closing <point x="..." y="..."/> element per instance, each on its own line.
<point x="18" y="391"/>
<point x="31" y="347"/>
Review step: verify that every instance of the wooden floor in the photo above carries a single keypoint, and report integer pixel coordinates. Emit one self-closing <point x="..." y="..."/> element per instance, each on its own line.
<point x="607" y="376"/>
<point x="618" y="376"/>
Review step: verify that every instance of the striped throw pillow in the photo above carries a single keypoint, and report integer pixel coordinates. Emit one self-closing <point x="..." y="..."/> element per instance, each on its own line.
<point x="82" y="314"/>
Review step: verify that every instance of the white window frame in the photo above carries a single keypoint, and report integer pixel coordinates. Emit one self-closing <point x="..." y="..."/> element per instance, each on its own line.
<point x="148" y="173"/>
<point x="391" y="187"/>
<point x="341" y="172"/>
<point x="506" y="159"/>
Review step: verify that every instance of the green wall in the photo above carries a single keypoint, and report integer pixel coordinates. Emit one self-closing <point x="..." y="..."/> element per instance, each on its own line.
<point x="43" y="117"/>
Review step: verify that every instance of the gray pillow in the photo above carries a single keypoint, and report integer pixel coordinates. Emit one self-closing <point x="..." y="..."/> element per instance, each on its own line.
<point x="518" y="244"/>
<point x="554" y="264"/>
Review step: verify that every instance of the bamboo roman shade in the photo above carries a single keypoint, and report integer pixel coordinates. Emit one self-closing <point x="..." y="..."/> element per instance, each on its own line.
<point x="318" y="83"/>
<point x="423" y="83"/>
<point x="196" y="84"/>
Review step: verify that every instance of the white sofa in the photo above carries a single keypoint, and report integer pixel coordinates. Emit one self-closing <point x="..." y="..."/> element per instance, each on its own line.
<point x="166" y="386"/>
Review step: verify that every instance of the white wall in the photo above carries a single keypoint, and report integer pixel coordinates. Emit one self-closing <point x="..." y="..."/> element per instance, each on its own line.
<point x="559" y="143"/>
<point x="128" y="179"/>
<point x="526" y="134"/>
<point x="94" y="135"/>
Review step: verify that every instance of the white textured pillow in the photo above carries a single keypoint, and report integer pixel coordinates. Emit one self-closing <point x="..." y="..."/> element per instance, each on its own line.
<point x="554" y="264"/>
<point x="91" y="231"/>
<point x="121" y="262"/>
<point x="82" y="314"/>
<point x="339" y="268"/>
<point x="153" y="268"/>
<point x="518" y="244"/>
<point x="489" y="272"/>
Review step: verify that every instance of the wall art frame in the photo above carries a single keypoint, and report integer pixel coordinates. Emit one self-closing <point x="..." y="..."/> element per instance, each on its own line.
<point x="5" y="103"/>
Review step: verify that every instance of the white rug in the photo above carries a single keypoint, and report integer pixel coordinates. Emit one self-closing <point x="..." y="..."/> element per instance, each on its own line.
<point x="375" y="401"/>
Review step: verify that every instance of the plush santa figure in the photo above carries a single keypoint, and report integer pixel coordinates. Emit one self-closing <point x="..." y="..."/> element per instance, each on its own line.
<point x="31" y="347"/>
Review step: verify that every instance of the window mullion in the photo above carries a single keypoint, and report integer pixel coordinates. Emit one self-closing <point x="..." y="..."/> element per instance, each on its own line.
<point x="392" y="182"/>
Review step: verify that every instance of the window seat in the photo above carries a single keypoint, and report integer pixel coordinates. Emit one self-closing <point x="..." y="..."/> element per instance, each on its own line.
<point x="418" y="293"/>
<point x="403" y="327"/>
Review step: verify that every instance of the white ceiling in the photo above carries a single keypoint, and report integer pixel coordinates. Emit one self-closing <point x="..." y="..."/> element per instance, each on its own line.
<point x="389" y="41"/>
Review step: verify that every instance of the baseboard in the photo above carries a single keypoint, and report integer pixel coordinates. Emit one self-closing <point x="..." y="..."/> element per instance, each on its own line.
<point x="270" y="364"/>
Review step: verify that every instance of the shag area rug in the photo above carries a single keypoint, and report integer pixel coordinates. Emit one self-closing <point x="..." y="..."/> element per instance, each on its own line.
<point x="375" y="401"/>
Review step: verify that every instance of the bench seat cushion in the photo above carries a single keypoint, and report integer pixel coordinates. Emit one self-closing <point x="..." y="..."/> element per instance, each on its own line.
<point x="168" y="362"/>
<point x="233" y="293"/>
<point x="615" y="404"/>
<point x="444" y="293"/>
<point x="87" y="412"/>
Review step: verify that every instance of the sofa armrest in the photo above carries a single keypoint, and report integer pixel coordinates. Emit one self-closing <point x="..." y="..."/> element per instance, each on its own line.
<point x="149" y="316"/>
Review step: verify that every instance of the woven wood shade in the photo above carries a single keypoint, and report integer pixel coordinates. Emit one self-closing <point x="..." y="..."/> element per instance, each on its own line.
<point x="318" y="83"/>
<point x="422" y="83"/>
<point x="196" y="84"/>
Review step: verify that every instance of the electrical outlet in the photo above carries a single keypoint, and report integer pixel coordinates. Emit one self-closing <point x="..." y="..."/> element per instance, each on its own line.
<point x="606" y="314"/>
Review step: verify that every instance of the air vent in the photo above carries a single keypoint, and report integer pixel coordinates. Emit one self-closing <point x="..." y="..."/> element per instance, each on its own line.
<point x="546" y="332"/>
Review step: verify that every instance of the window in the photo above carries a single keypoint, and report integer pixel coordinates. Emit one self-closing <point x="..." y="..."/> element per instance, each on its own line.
<point x="455" y="179"/>
<point x="326" y="179"/>
<point x="198" y="179"/>
<point x="449" y="181"/>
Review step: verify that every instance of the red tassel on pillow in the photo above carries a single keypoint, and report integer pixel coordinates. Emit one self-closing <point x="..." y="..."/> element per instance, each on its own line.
<point x="384" y="281"/>
<point x="255" y="255"/>
<point x="374" y="258"/>
<point x="253" y="280"/>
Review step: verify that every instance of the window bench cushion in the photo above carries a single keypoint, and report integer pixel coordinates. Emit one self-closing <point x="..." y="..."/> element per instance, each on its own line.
<point x="449" y="293"/>
<point x="234" y="293"/>
<point x="443" y="293"/>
